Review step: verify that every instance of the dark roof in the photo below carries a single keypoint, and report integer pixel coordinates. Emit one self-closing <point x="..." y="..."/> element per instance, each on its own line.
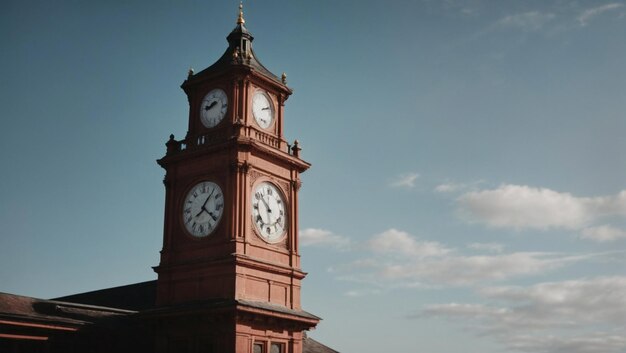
<point x="137" y="296"/>
<point x="236" y="37"/>
<point x="116" y="303"/>
<point x="22" y="308"/>
<point x="312" y="346"/>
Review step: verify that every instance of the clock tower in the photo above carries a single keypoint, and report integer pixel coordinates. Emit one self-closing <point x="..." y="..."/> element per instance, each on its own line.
<point x="229" y="276"/>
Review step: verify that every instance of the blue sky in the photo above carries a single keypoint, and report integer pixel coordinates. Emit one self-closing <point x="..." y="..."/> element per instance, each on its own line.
<point x="468" y="176"/>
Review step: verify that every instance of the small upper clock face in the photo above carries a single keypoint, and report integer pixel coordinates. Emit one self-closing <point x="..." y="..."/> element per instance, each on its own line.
<point x="203" y="208"/>
<point x="213" y="108"/>
<point x="262" y="109"/>
<point x="268" y="211"/>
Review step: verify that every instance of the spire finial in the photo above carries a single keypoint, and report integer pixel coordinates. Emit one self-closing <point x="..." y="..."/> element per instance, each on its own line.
<point x="240" y="20"/>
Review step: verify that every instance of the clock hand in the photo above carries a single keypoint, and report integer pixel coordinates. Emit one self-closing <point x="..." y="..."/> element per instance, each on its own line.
<point x="267" y="206"/>
<point x="208" y="107"/>
<point x="208" y="197"/>
<point x="269" y="211"/>
<point x="202" y="209"/>
<point x="266" y="108"/>
<point x="212" y="215"/>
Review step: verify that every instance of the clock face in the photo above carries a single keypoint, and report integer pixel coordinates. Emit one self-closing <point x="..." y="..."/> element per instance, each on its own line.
<point x="268" y="212"/>
<point x="213" y="107"/>
<point x="203" y="209"/>
<point x="262" y="109"/>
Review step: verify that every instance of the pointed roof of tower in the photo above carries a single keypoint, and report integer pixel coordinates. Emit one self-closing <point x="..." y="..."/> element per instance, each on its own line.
<point x="239" y="52"/>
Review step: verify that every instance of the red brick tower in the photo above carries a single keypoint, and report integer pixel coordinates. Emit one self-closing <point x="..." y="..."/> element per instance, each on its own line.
<point x="229" y="276"/>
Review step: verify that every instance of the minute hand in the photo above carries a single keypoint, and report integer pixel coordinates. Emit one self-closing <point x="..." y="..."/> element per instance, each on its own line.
<point x="203" y="207"/>
<point x="207" y="199"/>
<point x="266" y="205"/>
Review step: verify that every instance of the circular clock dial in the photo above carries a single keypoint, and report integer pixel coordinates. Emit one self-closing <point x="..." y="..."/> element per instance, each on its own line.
<point x="262" y="109"/>
<point x="213" y="108"/>
<point x="268" y="211"/>
<point x="203" y="208"/>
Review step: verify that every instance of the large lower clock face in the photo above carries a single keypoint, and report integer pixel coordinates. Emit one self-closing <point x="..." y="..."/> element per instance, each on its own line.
<point x="268" y="212"/>
<point x="262" y="109"/>
<point x="203" y="208"/>
<point x="213" y="108"/>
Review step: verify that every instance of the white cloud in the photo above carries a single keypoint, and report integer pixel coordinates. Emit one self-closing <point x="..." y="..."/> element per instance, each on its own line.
<point x="604" y="233"/>
<point x="489" y="247"/>
<point x="449" y="187"/>
<point x="576" y="316"/>
<point x="566" y="303"/>
<point x="595" y="342"/>
<point x="457" y="270"/>
<point x="322" y="237"/>
<point x="520" y="206"/>
<point x="398" y="242"/>
<point x="362" y="292"/>
<point x="405" y="180"/>
<point x="401" y="259"/>
<point x="588" y="14"/>
<point x="528" y="21"/>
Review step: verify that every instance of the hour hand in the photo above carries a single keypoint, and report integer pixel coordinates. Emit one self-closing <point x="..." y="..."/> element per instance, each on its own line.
<point x="208" y="107"/>
<point x="266" y="205"/>
<point x="202" y="210"/>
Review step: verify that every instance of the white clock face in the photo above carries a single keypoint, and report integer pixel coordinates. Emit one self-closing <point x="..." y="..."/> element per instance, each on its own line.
<point x="203" y="208"/>
<point x="268" y="212"/>
<point x="213" y="108"/>
<point x="262" y="109"/>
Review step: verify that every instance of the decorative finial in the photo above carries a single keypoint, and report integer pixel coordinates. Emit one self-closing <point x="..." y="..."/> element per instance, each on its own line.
<point x="240" y="20"/>
<point x="190" y="72"/>
<point x="295" y="149"/>
<point x="284" y="78"/>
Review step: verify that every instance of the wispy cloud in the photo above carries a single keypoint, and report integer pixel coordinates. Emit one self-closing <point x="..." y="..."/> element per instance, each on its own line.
<point x="603" y="233"/>
<point x="593" y="310"/>
<point x="527" y="21"/>
<point x="362" y="292"/>
<point x="450" y="187"/>
<point x="589" y="14"/>
<point x="400" y="258"/>
<point x="393" y="241"/>
<point x="520" y="206"/>
<point x="406" y="180"/>
<point x="489" y="247"/>
<point x="322" y="237"/>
